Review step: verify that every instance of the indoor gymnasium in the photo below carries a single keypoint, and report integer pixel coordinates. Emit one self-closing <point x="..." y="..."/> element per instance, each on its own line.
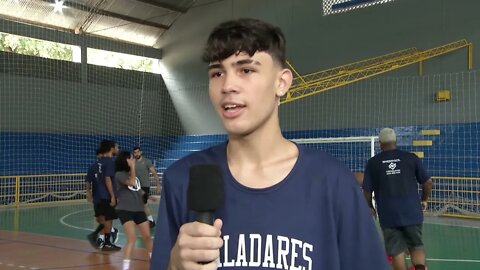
<point x="74" y="73"/>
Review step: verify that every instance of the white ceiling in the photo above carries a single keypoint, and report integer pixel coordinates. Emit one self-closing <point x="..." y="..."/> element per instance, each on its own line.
<point x="135" y="21"/>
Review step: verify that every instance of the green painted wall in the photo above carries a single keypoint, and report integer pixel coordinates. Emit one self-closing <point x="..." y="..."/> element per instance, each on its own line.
<point x="317" y="42"/>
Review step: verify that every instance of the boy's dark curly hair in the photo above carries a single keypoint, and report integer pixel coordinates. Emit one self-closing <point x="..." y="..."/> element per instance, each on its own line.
<point x="245" y="35"/>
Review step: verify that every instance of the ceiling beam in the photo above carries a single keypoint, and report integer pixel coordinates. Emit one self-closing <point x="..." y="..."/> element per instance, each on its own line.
<point x="164" y="5"/>
<point x="23" y="27"/>
<point x="33" y="23"/>
<point x="111" y="14"/>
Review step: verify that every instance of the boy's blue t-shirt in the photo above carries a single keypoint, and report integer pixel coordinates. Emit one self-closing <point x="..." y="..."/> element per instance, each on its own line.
<point x="394" y="176"/>
<point x="316" y="218"/>
<point x="97" y="172"/>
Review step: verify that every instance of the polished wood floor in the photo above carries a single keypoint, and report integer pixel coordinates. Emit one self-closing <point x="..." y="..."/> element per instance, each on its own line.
<point x="20" y="250"/>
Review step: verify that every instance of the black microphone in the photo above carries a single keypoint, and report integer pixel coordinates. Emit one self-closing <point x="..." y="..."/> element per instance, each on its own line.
<point x="205" y="191"/>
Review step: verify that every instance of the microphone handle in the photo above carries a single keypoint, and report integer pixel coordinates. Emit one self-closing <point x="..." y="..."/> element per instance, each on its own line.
<point x="204" y="217"/>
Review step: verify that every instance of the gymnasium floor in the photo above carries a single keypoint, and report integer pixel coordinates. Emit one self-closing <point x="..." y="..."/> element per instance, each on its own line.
<point x="53" y="237"/>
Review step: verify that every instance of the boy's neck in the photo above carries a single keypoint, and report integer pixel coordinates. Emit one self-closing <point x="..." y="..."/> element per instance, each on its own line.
<point x="261" y="160"/>
<point x="257" y="147"/>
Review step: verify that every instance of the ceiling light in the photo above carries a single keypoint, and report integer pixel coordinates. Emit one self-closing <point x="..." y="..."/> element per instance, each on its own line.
<point x="58" y="6"/>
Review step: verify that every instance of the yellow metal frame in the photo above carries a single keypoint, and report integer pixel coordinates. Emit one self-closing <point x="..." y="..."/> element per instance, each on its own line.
<point x="456" y="178"/>
<point x="460" y="216"/>
<point x="311" y="84"/>
<point x="458" y="183"/>
<point x="57" y="179"/>
<point x="312" y="78"/>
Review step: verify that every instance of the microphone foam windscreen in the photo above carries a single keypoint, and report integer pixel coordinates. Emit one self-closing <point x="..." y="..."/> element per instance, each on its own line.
<point x="205" y="188"/>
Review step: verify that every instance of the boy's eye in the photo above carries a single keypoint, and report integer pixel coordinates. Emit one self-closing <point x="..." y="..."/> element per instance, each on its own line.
<point x="215" y="74"/>
<point x="247" y="70"/>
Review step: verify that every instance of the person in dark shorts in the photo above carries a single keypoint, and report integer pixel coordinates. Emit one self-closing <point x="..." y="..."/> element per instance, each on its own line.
<point x="93" y="238"/>
<point x="99" y="181"/>
<point x="130" y="206"/>
<point x="144" y="167"/>
<point x="393" y="176"/>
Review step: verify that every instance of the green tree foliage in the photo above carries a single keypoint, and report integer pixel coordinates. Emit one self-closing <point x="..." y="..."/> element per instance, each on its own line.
<point x="59" y="51"/>
<point x="120" y="60"/>
<point x="143" y="65"/>
<point x="35" y="47"/>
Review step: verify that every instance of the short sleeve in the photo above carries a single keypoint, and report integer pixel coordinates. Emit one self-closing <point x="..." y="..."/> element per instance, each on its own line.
<point x="168" y="225"/>
<point x="110" y="168"/>
<point x="420" y="172"/>
<point x="149" y="163"/>
<point x="121" y="178"/>
<point x="90" y="175"/>
<point x="359" y="244"/>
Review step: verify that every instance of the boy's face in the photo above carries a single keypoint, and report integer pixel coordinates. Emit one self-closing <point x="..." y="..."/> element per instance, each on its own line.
<point x="245" y="91"/>
<point x="116" y="149"/>
<point x="137" y="153"/>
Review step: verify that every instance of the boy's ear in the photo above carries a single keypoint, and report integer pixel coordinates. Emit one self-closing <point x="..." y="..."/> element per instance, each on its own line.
<point x="284" y="82"/>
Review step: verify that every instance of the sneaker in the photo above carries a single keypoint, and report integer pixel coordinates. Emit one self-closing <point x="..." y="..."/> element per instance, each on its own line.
<point x="418" y="267"/>
<point x="100" y="243"/>
<point x="92" y="239"/>
<point x="151" y="223"/>
<point x="114" y="235"/>
<point x="110" y="247"/>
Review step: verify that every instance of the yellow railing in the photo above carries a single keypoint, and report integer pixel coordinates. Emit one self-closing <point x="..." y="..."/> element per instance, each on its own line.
<point x="46" y="188"/>
<point x="452" y="196"/>
<point x="455" y="196"/>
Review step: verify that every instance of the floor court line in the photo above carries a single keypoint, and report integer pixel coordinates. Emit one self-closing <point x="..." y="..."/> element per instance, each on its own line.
<point x="63" y="222"/>
<point x="66" y="248"/>
<point x="453" y="225"/>
<point x="453" y="260"/>
<point x="11" y="265"/>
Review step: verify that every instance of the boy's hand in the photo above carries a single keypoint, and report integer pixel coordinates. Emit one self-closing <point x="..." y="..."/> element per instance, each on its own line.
<point x="113" y="201"/>
<point x="131" y="163"/>
<point x="424" y="206"/>
<point x="89" y="196"/>
<point x="197" y="246"/>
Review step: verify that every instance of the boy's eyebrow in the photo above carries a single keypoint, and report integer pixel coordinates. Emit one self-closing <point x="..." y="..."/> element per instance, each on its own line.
<point x="212" y="66"/>
<point x="247" y="61"/>
<point x="238" y="63"/>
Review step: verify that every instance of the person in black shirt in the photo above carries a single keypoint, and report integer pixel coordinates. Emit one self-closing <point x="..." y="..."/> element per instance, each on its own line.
<point x="393" y="175"/>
